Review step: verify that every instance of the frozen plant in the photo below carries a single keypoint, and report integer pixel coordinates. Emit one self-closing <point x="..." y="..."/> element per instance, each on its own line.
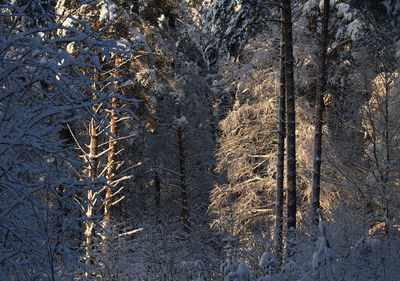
<point x="323" y="262"/>
<point x="266" y="278"/>
<point x="267" y="262"/>
<point x="229" y="266"/>
<point x="242" y="273"/>
<point x="200" y="268"/>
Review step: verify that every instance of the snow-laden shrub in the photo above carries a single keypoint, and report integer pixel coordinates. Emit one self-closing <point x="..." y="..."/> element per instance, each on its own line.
<point x="323" y="262"/>
<point x="242" y="273"/>
<point x="267" y="262"/>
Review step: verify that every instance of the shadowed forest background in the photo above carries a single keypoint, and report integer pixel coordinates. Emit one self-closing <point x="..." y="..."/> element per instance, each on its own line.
<point x="227" y="140"/>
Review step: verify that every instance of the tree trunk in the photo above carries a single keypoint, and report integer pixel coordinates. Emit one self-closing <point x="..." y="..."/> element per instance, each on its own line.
<point x="111" y="163"/>
<point x="93" y="160"/>
<point x="280" y="164"/>
<point x="290" y="117"/>
<point x="90" y="193"/>
<point x="182" y="172"/>
<point x="157" y="185"/>
<point x="319" y="108"/>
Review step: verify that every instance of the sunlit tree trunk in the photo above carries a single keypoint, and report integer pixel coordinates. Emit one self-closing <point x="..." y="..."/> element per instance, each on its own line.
<point x="280" y="165"/>
<point x="112" y="153"/>
<point x="388" y="160"/>
<point x="92" y="175"/>
<point x="93" y="167"/>
<point x="290" y="117"/>
<point x="319" y="108"/>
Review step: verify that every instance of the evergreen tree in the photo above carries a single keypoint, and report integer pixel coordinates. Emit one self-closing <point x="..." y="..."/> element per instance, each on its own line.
<point x="44" y="87"/>
<point x="316" y="182"/>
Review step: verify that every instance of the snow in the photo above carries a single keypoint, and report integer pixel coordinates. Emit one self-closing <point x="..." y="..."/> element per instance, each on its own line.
<point x="228" y="266"/>
<point x="266" y="278"/>
<point x="322" y="227"/>
<point x="241" y="274"/>
<point x="267" y="260"/>
<point x="137" y="39"/>
<point x="354" y="25"/>
<point x="181" y="121"/>
<point x="389" y="6"/>
<point x="146" y="77"/>
<point x="68" y="22"/>
<point x="343" y="11"/>
<point x="108" y="11"/>
<point x="44" y="60"/>
<point x="37" y="58"/>
<point x="323" y="260"/>
<point x="71" y="47"/>
<point x="127" y="83"/>
<point x="321" y="4"/>
<point x="323" y="256"/>
<point x="353" y="29"/>
<point x="309" y="6"/>
<point x="124" y="45"/>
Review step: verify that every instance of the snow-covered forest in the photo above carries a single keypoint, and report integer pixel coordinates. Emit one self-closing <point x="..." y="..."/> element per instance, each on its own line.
<point x="233" y="140"/>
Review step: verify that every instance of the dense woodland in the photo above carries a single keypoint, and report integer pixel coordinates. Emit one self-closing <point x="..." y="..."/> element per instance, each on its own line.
<point x="197" y="140"/>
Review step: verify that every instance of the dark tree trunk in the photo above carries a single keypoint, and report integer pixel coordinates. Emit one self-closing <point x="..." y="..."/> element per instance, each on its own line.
<point x="182" y="172"/>
<point x="319" y="108"/>
<point x="290" y="117"/>
<point x="157" y="185"/>
<point x="280" y="165"/>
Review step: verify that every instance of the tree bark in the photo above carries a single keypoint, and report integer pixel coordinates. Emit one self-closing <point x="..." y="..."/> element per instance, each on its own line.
<point x="290" y="117"/>
<point x="92" y="175"/>
<point x="111" y="163"/>
<point x="280" y="164"/>
<point x="157" y="185"/>
<point x="319" y="108"/>
<point x="93" y="160"/>
<point x="182" y="172"/>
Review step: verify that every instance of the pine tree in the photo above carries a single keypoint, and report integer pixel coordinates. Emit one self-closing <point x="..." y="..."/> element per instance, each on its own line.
<point x="44" y="88"/>
<point x="281" y="147"/>
<point x="290" y="117"/>
<point x="319" y="108"/>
